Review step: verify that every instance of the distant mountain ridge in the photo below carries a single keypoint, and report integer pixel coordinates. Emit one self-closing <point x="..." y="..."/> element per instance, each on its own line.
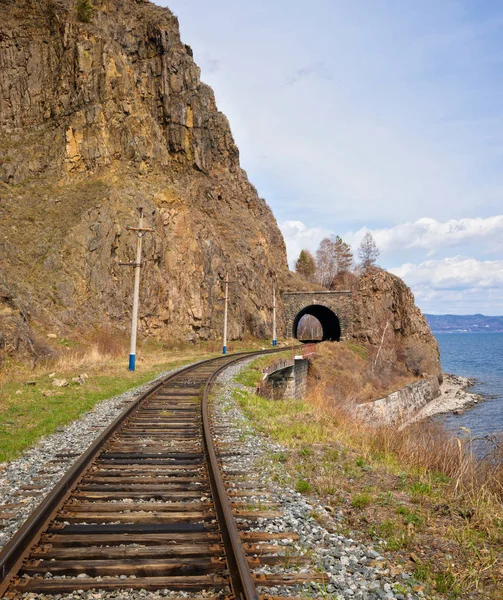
<point x="464" y="323"/>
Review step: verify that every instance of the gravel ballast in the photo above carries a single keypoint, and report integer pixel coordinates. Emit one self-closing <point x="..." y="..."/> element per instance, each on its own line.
<point x="26" y="481"/>
<point x="353" y="569"/>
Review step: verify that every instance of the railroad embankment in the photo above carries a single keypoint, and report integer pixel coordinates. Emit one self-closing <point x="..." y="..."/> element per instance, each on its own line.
<point x="401" y="406"/>
<point x="434" y="508"/>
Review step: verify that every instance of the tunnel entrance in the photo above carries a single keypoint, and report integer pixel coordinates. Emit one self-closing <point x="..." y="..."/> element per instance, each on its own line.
<point x="309" y="329"/>
<point x="330" y="325"/>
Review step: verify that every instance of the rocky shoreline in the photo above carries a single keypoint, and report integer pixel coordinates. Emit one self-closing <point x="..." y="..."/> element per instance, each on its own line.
<point x="454" y="396"/>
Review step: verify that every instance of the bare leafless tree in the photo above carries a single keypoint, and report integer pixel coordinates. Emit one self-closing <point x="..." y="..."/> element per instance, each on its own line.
<point x="309" y="328"/>
<point x="368" y="252"/>
<point x="333" y="259"/>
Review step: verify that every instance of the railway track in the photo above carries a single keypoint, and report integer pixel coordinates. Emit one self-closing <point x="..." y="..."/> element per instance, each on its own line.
<point x="147" y="507"/>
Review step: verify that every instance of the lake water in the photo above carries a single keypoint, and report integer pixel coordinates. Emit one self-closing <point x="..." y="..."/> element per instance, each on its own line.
<point x="477" y="355"/>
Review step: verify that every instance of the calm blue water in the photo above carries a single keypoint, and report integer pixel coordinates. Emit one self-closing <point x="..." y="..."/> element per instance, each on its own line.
<point x="478" y="355"/>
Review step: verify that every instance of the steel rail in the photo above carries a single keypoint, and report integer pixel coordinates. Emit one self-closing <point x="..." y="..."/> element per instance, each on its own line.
<point x="242" y="583"/>
<point x="18" y="548"/>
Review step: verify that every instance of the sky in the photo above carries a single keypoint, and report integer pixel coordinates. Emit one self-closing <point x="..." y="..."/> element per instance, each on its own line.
<point x="370" y="115"/>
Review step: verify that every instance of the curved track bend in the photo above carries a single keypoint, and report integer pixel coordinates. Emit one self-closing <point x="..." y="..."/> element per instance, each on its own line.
<point x="146" y="507"/>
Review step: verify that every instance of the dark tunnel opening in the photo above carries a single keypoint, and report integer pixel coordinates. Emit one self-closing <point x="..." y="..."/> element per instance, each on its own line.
<point x="328" y="319"/>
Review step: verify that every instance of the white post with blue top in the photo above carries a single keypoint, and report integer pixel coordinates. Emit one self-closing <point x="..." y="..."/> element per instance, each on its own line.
<point x="274" y="340"/>
<point x="226" y="302"/>
<point x="140" y="232"/>
<point x="136" y="295"/>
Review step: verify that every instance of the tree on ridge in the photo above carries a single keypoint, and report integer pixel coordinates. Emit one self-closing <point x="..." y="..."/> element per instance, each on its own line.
<point x="368" y="252"/>
<point x="305" y="265"/>
<point x="333" y="261"/>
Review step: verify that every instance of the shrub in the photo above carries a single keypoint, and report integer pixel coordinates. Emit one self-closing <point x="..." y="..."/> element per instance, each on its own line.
<point x="303" y="487"/>
<point x="107" y="341"/>
<point x="361" y="500"/>
<point x="85" y="11"/>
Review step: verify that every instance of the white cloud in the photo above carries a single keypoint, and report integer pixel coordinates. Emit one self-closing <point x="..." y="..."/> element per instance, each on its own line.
<point x="458" y="272"/>
<point x="375" y="113"/>
<point x="458" y="284"/>
<point x="432" y="235"/>
<point x="299" y="237"/>
<point x="425" y="234"/>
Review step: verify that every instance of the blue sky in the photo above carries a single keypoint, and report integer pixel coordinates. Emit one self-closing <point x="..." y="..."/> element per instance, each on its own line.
<point x="377" y="115"/>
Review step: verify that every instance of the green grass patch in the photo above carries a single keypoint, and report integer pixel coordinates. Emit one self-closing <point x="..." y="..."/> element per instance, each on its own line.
<point x="286" y="421"/>
<point x="302" y="486"/>
<point x="358" y="349"/>
<point x="281" y="457"/>
<point x="305" y="451"/>
<point x="26" y="414"/>
<point x="361" y="500"/>
<point x="395" y="536"/>
<point x="251" y="375"/>
<point x="410" y="516"/>
<point x="419" y="489"/>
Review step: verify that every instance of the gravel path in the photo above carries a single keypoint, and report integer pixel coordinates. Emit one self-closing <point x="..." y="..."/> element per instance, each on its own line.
<point x="26" y="481"/>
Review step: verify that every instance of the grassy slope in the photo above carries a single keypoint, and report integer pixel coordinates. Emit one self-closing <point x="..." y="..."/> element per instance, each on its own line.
<point x="450" y="539"/>
<point x="26" y="414"/>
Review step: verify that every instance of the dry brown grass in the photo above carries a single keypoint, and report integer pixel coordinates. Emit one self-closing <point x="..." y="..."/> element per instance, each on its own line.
<point x="458" y="494"/>
<point x="107" y="341"/>
<point x="345" y="372"/>
<point x="475" y="482"/>
<point x="106" y="350"/>
<point x="423" y="495"/>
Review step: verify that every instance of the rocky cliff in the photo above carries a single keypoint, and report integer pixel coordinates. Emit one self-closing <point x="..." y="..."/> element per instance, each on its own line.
<point x="385" y="313"/>
<point x="98" y="117"/>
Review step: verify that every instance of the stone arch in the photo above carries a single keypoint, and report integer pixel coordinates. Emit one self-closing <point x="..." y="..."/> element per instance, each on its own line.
<point x="338" y="303"/>
<point x="329" y="321"/>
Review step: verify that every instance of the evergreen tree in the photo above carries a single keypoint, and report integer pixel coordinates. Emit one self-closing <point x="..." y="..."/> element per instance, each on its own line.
<point x="305" y="265"/>
<point x="368" y="252"/>
<point x="343" y="256"/>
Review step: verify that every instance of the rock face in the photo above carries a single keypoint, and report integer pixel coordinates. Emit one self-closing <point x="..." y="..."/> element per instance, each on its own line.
<point x="384" y="306"/>
<point x="15" y="333"/>
<point x="96" y="119"/>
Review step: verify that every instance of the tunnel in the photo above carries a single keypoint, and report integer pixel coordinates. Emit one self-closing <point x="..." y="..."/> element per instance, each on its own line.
<point x="328" y="319"/>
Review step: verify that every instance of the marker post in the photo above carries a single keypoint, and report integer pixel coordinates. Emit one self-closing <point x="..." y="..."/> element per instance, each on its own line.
<point x="226" y="303"/>
<point x="274" y="340"/>
<point x="140" y="232"/>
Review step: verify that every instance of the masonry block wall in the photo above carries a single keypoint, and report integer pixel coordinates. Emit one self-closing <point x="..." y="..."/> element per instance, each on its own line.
<point x="287" y="382"/>
<point x="340" y="303"/>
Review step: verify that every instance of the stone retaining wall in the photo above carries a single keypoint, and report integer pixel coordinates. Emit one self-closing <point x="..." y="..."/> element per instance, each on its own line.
<point x="399" y="407"/>
<point x="285" y="381"/>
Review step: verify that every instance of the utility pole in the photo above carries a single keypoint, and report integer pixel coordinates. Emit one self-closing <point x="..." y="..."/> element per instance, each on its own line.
<point x="140" y="232"/>
<point x="226" y="302"/>
<point x="274" y="340"/>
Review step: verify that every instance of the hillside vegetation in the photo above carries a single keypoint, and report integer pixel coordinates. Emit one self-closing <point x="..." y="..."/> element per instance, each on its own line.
<point x="422" y="495"/>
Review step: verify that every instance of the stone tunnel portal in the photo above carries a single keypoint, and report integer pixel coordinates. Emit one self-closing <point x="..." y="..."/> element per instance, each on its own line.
<point x="329" y="322"/>
<point x="333" y="309"/>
